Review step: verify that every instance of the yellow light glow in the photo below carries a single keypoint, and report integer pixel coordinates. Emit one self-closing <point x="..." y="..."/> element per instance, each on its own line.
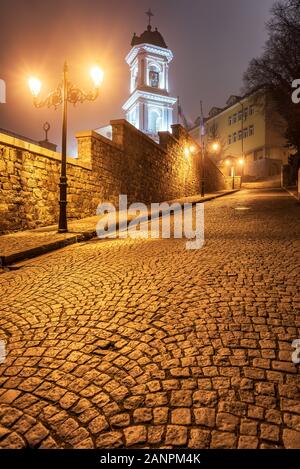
<point x="97" y="76"/>
<point x="241" y="161"/>
<point x="192" y="149"/>
<point x="215" y="146"/>
<point x="227" y="162"/>
<point x="35" y="86"/>
<point x="186" y="151"/>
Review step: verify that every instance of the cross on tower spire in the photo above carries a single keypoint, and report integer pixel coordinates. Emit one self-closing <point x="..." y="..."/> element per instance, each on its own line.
<point x="149" y="14"/>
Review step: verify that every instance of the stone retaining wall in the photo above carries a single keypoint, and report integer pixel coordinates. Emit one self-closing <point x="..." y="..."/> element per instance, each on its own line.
<point x="130" y="163"/>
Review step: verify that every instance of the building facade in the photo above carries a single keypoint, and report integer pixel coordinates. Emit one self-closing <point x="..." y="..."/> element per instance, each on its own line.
<point x="250" y="135"/>
<point x="149" y="107"/>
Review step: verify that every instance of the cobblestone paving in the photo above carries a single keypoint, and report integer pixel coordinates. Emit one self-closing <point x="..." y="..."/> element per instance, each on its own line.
<point x="141" y="343"/>
<point x="30" y="239"/>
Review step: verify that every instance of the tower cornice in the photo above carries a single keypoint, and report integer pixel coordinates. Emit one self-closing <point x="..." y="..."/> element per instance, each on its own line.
<point x="147" y="96"/>
<point x="148" y="49"/>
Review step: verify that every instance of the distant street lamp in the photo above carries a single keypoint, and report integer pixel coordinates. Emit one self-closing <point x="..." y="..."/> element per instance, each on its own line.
<point x="189" y="150"/>
<point x="242" y="164"/>
<point x="232" y="161"/>
<point x="186" y="151"/>
<point x="232" y="170"/>
<point x="213" y="147"/>
<point x="65" y="93"/>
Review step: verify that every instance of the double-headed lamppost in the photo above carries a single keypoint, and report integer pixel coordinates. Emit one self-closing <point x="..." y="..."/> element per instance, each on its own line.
<point x="65" y="93"/>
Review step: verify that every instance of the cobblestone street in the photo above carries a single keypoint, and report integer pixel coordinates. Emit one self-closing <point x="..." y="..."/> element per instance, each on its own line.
<point x="142" y="343"/>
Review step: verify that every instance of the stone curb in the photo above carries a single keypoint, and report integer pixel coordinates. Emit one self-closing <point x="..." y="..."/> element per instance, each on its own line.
<point x="6" y="261"/>
<point x="44" y="248"/>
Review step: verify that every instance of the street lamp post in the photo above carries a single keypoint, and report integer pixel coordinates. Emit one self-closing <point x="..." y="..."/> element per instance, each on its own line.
<point x="242" y="140"/>
<point x="232" y="175"/>
<point x="64" y="94"/>
<point x="233" y="163"/>
<point x="232" y="170"/>
<point x="63" y="222"/>
<point x="202" y="168"/>
<point x="213" y="147"/>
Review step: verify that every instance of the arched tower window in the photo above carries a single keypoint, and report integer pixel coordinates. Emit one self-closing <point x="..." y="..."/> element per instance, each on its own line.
<point x="134" y="78"/>
<point x="133" y="117"/>
<point x="154" y="120"/>
<point x="154" y="73"/>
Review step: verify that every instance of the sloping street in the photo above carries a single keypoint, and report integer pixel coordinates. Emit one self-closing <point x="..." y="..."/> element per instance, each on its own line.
<point x="142" y="343"/>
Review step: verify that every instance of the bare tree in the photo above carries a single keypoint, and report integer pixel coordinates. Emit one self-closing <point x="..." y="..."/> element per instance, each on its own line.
<point x="279" y="66"/>
<point x="213" y="136"/>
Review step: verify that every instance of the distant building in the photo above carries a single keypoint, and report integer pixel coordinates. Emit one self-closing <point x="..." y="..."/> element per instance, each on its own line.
<point x="247" y="128"/>
<point x="149" y="107"/>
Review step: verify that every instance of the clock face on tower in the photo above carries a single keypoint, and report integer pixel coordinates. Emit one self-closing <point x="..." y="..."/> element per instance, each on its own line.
<point x="154" y="78"/>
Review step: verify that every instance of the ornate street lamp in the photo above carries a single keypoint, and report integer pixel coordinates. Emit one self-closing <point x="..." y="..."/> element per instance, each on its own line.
<point x="214" y="147"/>
<point x="65" y="93"/>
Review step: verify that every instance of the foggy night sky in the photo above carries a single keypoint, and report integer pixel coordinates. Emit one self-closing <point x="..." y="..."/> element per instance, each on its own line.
<point x="212" y="42"/>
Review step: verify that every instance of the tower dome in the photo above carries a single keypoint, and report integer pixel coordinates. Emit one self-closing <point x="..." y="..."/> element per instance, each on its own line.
<point x="149" y="37"/>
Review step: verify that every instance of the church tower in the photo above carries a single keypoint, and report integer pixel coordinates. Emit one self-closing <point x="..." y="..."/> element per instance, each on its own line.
<point x="149" y="107"/>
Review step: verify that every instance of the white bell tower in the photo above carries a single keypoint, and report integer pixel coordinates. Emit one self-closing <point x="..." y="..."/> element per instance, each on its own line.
<point x="149" y="107"/>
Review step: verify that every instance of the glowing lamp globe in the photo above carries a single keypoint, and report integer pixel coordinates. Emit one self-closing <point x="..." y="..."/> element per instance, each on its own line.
<point x="186" y="151"/>
<point x="97" y="76"/>
<point x="35" y="86"/>
<point x="215" y="146"/>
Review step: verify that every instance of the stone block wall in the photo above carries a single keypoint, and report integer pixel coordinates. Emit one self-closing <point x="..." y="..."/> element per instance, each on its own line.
<point x="130" y="163"/>
<point x="145" y="170"/>
<point x="29" y="178"/>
